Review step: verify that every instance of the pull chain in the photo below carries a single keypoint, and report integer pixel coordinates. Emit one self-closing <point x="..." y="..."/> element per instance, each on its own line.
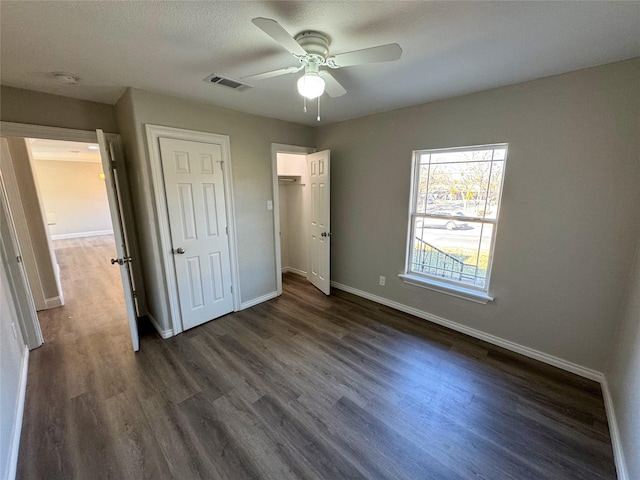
<point x="304" y="100"/>
<point x="318" y="109"/>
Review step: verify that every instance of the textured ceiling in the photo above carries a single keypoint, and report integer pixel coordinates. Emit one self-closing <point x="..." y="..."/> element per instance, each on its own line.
<point x="449" y="48"/>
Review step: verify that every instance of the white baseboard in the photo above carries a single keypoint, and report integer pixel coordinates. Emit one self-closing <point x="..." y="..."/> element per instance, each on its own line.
<point x="302" y="273"/>
<point x="616" y="442"/>
<point x="17" y="427"/>
<point x="63" y="236"/>
<point x="58" y="278"/>
<point x="258" y="300"/>
<point x="509" y="345"/>
<point x="163" y="333"/>
<point x="54" y="302"/>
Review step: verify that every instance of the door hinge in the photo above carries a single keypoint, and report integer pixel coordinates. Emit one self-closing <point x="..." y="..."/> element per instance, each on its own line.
<point x="227" y="230"/>
<point x="19" y="258"/>
<point x="135" y="294"/>
<point x="231" y="288"/>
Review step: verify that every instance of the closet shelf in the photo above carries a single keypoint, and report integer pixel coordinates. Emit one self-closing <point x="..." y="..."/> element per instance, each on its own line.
<point x="290" y="180"/>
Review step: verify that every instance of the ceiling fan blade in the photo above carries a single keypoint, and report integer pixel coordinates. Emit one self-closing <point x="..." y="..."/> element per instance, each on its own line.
<point x="272" y="73"/>
<point x="382" y="53"/>
<point x="331" y="85"/>
<point x="279" y="34"/>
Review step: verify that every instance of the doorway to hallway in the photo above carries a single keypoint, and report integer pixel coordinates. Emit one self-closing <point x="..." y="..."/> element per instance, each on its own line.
<point x="94" y="311"/>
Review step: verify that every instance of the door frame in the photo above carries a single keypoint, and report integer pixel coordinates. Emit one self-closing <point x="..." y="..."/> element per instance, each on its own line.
<point x="22" y="229"/>
<point x="18" y="281"/>
<point x="154" y="132"/>
<point x="277" y="148"/>
<point x="11" y="129"/>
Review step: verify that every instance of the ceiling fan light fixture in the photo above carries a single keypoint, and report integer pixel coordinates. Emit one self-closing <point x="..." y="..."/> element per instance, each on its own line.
<point x="311" y="85"/>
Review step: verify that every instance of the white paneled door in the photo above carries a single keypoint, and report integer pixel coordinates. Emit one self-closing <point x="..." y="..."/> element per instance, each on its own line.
<point x="320" y="230"/>
<point x="194" y="184"/>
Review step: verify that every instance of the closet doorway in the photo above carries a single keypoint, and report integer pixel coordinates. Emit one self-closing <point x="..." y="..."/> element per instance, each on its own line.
<point x="293" y="196"/>
<point x="302" y="214"/>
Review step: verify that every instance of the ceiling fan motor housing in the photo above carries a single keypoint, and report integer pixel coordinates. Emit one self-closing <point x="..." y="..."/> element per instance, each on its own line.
<point x="314" y="43"/>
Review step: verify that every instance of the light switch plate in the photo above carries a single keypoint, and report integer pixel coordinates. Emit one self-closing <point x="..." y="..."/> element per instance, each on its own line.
<point x="269" y="204"/>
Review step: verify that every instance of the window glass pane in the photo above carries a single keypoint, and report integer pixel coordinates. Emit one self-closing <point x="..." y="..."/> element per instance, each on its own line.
<point x="495" y="187"/>
<point x="479" y="155"/>
<point x="424" y="158"/>
<point x="458" y="188"/>
<point x="500" y="154"/>
<point x="457" y="251"/>
<point x="421" y="193"/>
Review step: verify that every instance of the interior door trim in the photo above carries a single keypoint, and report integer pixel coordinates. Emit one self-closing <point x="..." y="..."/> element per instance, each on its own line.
<point x="277" y="148"/>
<point x="154" y="133"/>
<point x="24" y="130"/>
<point x="12" y="190"/>
<point x="10" y="129"/>
<point x="18" y="281"/>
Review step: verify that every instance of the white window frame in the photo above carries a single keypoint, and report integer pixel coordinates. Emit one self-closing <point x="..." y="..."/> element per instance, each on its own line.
<point x="432" y="282"/>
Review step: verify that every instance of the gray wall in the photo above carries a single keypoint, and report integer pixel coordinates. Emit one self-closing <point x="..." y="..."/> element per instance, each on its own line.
<point x="73" y="196"/>
<point x="566" y="236"/>
<point x="623" y="374"/>
<point x="26" y="106"/>
<point x="145" y="268"/>
<point x="250" y="137"/>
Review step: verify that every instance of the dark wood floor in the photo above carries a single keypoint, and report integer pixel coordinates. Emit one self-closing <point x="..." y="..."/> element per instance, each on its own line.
<point x="303" y="386"/>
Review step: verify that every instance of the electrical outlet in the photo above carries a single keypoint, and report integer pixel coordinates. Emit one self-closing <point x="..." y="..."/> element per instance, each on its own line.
<point x="269" y="204"/>
<point x="382" y="280"/>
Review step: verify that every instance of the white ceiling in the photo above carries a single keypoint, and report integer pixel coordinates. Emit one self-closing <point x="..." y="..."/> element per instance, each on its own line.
<point x="58" y="150"/>
<point x="449" y="48"/>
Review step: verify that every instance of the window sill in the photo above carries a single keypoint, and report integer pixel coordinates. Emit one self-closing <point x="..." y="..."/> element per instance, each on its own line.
<point x="453" y="290"/>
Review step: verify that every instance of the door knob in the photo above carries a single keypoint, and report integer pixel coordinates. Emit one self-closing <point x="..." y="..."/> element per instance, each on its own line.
<point x="120" y="261"/>
<point x="179" y="250"/>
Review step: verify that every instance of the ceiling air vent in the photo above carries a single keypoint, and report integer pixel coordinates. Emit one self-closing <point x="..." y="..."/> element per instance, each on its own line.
<point x="227" y="82"/>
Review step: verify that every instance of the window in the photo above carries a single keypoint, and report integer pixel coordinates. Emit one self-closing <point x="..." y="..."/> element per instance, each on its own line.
<point x="455" y="201"/>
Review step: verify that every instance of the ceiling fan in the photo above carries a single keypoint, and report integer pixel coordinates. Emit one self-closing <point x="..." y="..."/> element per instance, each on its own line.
<point x="311" y="49"/>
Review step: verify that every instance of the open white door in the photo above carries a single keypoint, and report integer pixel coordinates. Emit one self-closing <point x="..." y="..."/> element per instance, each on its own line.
<point x="115" y="179"/>
<point x="320" y="231"/>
